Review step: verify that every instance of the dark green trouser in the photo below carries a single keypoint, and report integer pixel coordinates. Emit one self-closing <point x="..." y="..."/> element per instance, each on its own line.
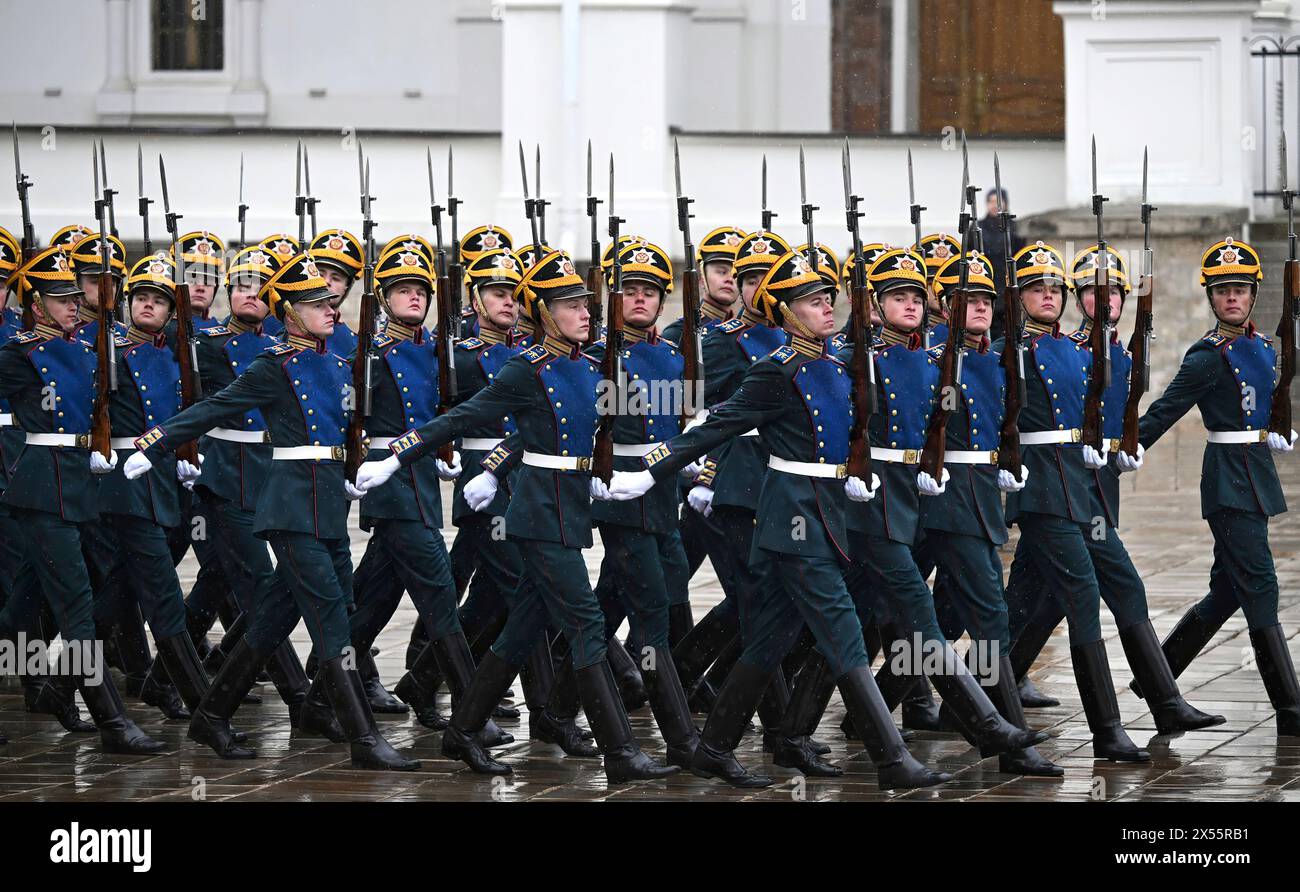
<point x="138" y="564"/>
<point x="972" y="570"/>
<point x="1058" y="550"/>
<point x="53" y="548"/>
<point x="417" y="557"/>
<point x="313" y="581"/>
<point x="554" y="582"/>
<point x="641" y="570"/>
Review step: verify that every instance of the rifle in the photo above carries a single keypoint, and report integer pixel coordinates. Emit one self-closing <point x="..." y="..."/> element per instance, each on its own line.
<point x="186" y="346"/>
<point x="691" y="346"/>
<point x="447" y="320"/>
<point x="767" y="215"/>
<point x="1288" y="327"/>
<point x="101" y="427"/>
<point x="311" y="202"/>
<point x="914" y="209"/>
<point x="530" y="205"/>
<point x="364" y="362"/>
<point x="300" y="200"/>
<point x="23" y="183"/>
<point x="1013" y="349"/>
<point x="145" y="202"/>
<point x="595" y="277"/>
<point x="540" y="202"/>
<point x="1099" y="337"/>
<point x="862" y="361"/>
<point x="243" y="208"/>
<point x="456" y="271"/>
<point x="1140" y="344"/>
<point x="611" y="364"/>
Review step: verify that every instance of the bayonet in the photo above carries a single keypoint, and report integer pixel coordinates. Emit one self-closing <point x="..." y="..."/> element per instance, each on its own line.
<point x="767" y="215"/>
<point x="311" y="200"/>
<point x="435" y="212"/>
<point x="452" y="204"/>
<point x="537" y="192"/>
<point x="530" y="206"/>
<point x="915" y="209"/>
<point x="595" y="284"/>
<point x="242" y="212"/>
<point x="806" y="211"/>
<point x="145" y="202"/>
<point x="299" y="200"/>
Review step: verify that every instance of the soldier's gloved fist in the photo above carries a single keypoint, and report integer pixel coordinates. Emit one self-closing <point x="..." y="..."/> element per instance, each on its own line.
<point x="351" y="491"/>
<point x="599" y="491"/>
<point x="187" y="472"/>
<point x="480" y="491"/>
<point x="1126" y="462"/>
<point x="692" y="470"/>
<point x="701" y="499"/>
<point x="856" y="488"/>
<point x="101" y="465"/>
<point x="627" y="485"/>
<point x="926" y="485"/>
<point x="1007" y="481"/>
<point x="137" y="465"/>
<point x="1278" y="443"/>
<point x="376" y="473"/>
<point x="1094" y="459"/>
<point x="449" y="471"/>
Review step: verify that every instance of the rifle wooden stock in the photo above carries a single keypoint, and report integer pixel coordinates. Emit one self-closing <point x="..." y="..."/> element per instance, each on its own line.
<point x="595" y="284"/>
<point x="602" y="455"/>
<point x="859" y="464"/>
<point x="936" y="434"/>
<point x="355" y="443"/>
<point x="1009" y="438"/>
<point x="1100" y="348"/>
<point x="443" y="350"/>
<point x="1139" y="346"/>
<point x="185" y="359"/>
<point x="1279" y="421"/>
<point x="692" y="368"/>
<point x="101" y="426"/>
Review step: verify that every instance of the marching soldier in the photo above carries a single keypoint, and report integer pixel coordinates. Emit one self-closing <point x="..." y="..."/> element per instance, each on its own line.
<point x="338" y="256"/>
<point x="298" y="386"/>
<point x="1121" y="586"/>
<point x="473" y="245"/>
<point x="283" y="248"/>
<point x="51" y="495"/>
<point x="204" y="255"/>
<point x="551" y="391"/>
<point x="87" y="264"/>
<point x="1229" y="376"/>
<point x="796" y="395"/>
<point x="938" y="249"/>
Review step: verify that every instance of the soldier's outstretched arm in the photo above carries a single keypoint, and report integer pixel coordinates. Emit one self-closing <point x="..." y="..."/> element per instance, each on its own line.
<point x="759" y="399"/>
<point x="254" y="389"/>
<point x="1194" y="379"/>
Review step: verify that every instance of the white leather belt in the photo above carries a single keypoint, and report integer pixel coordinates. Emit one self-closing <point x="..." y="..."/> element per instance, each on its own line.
<point x="896" y="456"/>
<point x="304" y="453"/>
<point x="753" y="433"/>
<point x="380" y="442"/>
<point x="635" y="449"/>
<point x="123" y="443"/>
<point x="558" y="462"/>
<point x="1042" y="438"/>
<point x="6" y="419"/>
<point x="80" y="441"/>
<point x="965" y="457"/>
<point x="481" y="444"/>
<point x="1238" y="436"/>
<point x="234" y="436"/>
<point x="808" y="468"/>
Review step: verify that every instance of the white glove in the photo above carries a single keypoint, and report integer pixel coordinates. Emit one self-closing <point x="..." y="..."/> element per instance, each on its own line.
<point x="926" y="485"/>
<point x="101" y="465"/>
<point x="187" y="472"/>
<point x="480" y="491"/>
<point x="628" y="485"/>
<point x="1007" y="481"/>
<point x="599" y="491"/>
<point x="351" y="491"/>
<point x="1278" y="443"/>
<point x="1126" y="462"/>
<point x="448" y="471"/>
<point x="376" y="473"/>
<point x="137" y="465"/>
<point x="691" y="471"/>
<point x="856" y="488"/>
<point x="701" y="499"/>
<point x="1093" y="459"/>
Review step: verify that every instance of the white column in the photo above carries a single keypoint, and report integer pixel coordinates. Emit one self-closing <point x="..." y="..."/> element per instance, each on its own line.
<point x="247" y="103"/>
<point x="900" y="53"/>
<point x="114" y="102"/>
<point x="1168" y="74"/>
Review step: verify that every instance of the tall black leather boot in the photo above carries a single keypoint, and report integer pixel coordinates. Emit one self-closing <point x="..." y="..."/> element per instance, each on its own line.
<point x="975" y="712"/>
<point x="627" y="672"/>
<point x="772" y="707"/>
<point x="461" y="740"/>
<point x="896" y="767"/>
<point x="56" y="696"/>
<point x="671" y="712"/>
<point x="725" y="662"/>
<point x="210" y="722"/>
<point x="419" y="641"/>
<point x="380" y="700"/>
<point x="369" y="748"/>
<point x="234" y="634"/>
<point x="419" y="687"/>
<point x="537" y="676"/>
<point x="624" y="760"/>
<point x="117" y="733"/>
<point x="702" y="644"/>
<point x="812" y="687"/>
<point x="290" y="680"/>
<point x="737" y="700"/>
<point x="1097" y="691"/>
<point x="794" y="659"/>
<point x="197" y="626"/>
<point x="316" y="716"/>
<point x="1182" y="645"/>
<point x="1172" y="713"/>
<point x="1024" y="651"/>
<point x="1278" y="672"/>
<point x="1006" y="698"/>
<point x="181" y="663"/>
<point x="920" y="712"/>
<point x="556" y="722"/>
<point x="680" y="622"/>
<point x="456" y="664"/>
<point x="893" y="686"/>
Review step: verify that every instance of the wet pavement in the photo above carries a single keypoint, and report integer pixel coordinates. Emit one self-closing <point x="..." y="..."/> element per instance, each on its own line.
<point x="1240" y="760"/>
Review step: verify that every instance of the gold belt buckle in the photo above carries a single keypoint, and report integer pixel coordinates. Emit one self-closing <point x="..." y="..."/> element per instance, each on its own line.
<point x="911" y="456"/>
<point x="338" y="453"/>
<point x="1263" y="435"/>
<point x="842" y="471"/>
<point x="81" y="441"/>
<point x="584" y="463"/>
<point x="1076" y="435"/>
<point x="1113" y="444"/>
<point x="993" y="457"/>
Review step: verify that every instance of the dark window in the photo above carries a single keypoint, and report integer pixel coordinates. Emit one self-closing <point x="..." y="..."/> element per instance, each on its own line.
<point x="188" y="35"/>
<point x="860" y="56"/>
